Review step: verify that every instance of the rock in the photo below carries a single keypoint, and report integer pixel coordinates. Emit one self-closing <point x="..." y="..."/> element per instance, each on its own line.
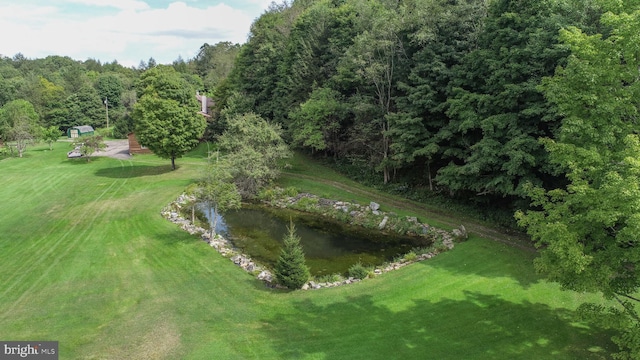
<point x="460" y="233"/>
<point x="325" y="202"/>
<point x="354" y="213"/>
<point x="412" y="219"/>
<point x="305" y="287"/>
<point x="383" y="223"/>
<point x="375" y="212"/>
<point x="374" y="206"/>
<point x="265" y="276"/>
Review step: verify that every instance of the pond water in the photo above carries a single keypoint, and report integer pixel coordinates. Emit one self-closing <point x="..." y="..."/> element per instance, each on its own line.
<point x="329" y="247"/>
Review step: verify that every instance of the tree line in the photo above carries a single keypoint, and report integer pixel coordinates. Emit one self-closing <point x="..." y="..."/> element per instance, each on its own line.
<point x="528" y="104"/>
<point x="61" y="92"/>
<point x="525" y="104"/>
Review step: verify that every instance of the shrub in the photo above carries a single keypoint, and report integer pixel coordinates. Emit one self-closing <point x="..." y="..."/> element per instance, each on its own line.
<point x="267" y="194"/>
<point x="291" y="270"/>
<point x="358" y="271"/>
<point x="291" y="191"/>
<point x="329" y="278"/>
<point x="410" y="256"/>
<point x="424" y="250"/>
<point x="306" y="204"/>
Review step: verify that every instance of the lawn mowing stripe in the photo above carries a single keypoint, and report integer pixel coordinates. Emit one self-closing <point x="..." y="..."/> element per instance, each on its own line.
<point x="37" y="243"/>
<point x="52" y="246"/>
<point x="80" y="238"/>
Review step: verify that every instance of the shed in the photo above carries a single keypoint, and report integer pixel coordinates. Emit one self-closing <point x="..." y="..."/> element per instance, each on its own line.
<point x="135" y="147"/>
<point x="77" y="131"/>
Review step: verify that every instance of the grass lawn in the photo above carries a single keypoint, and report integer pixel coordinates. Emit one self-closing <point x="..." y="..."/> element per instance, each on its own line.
<point x="87" y="260"/>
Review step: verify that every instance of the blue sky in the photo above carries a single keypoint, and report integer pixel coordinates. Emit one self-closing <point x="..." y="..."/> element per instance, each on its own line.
<point x="125" y="30"/>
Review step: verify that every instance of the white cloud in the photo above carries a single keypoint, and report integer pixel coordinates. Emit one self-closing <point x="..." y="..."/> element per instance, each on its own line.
<point x="132" y="33"/>
<point x="118" y="4"/>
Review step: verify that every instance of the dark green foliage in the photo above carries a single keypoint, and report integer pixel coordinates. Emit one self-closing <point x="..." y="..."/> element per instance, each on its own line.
<point x="84" y="108"/>
<point x="358" y="271"/>
<point x="291" y="270"/>
<point x="497" y="113"/>
<point x="109" y="86"/>
<point x="256" y="68"/>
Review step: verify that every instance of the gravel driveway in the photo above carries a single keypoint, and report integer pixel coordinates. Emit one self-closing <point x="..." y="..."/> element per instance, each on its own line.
<point x="118" y="149"/>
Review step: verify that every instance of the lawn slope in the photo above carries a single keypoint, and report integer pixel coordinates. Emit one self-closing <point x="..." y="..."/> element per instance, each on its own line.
<point x="86" y="259"/>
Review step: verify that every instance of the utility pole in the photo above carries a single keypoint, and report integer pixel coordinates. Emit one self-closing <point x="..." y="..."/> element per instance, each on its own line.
<point x="106" y="108"/>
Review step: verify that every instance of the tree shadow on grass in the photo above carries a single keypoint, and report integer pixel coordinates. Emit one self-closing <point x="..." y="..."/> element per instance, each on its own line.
<point x="477" y="327"/>
<point x="488" y="259"/>
<point x="124" y="172"/>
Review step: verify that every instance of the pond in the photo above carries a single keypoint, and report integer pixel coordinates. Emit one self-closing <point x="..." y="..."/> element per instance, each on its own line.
<point x="329" y="247"/>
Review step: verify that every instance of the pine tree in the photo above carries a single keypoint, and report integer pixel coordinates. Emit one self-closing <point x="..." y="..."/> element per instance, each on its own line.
<point x="291" y="270"/>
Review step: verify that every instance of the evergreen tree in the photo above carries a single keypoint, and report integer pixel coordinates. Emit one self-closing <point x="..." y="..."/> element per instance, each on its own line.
<point x="291" y="270"/>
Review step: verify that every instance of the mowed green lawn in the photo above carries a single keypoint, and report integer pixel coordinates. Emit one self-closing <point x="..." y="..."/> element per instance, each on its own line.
<point x="87" y="260"/>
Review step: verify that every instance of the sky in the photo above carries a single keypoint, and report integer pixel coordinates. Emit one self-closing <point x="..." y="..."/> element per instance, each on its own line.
<point x="124" y="30"/>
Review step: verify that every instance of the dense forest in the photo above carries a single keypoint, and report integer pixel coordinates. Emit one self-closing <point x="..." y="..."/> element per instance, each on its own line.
<point x="526" y="105"/>
<point x="424" y="94"/>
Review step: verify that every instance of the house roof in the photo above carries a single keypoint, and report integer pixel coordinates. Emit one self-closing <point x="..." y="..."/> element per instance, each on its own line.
<point x="83" y="128"/>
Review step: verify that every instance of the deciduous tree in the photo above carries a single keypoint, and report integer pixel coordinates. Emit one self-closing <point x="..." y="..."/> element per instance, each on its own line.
<point x="89" y="144"/>
<point x="19" y="123"/>
<point x="253" y="148"/>
<point x="588" y="230"/>
<point x="166" y="116"/>
<point x="50" y="135"/>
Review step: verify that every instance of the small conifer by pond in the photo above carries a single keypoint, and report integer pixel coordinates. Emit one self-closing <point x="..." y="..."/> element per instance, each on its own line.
<point x="291" y="270"/>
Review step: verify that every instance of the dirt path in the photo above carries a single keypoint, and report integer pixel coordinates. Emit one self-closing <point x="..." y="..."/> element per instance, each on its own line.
<point x="506" y="236"/>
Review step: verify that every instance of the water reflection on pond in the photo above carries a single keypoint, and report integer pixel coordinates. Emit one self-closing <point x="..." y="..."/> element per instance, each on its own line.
<point x="329" y="247"/>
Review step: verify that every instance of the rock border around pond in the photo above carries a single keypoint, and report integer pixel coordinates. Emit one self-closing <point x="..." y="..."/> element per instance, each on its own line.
<point x="172" y="212"/>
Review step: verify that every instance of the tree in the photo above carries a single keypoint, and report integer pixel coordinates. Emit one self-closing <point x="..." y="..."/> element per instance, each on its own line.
<point x="89" y="145"/>
<point x="217" y="192"/>
<point x="317" y="122"/>
<point x="166" y="116"/>
<point x="83" y="108"/>
<point x="19" y="123"/>
<point x="253" y="148"/>
<point x="376" y="56"/>
<point x="440" y="35"/>
<point x="255" y="72"/>
<point x="291" y="270"/>
<point x="215" y="62"/>
<point x="50" y="135"/>
<point x="497" y="112"/>
<point x="109" y="86"/>
<point x="588" y="228"/>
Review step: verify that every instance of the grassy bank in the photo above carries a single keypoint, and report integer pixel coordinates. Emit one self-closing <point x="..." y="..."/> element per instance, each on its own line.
<point x="86" y="259"/>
